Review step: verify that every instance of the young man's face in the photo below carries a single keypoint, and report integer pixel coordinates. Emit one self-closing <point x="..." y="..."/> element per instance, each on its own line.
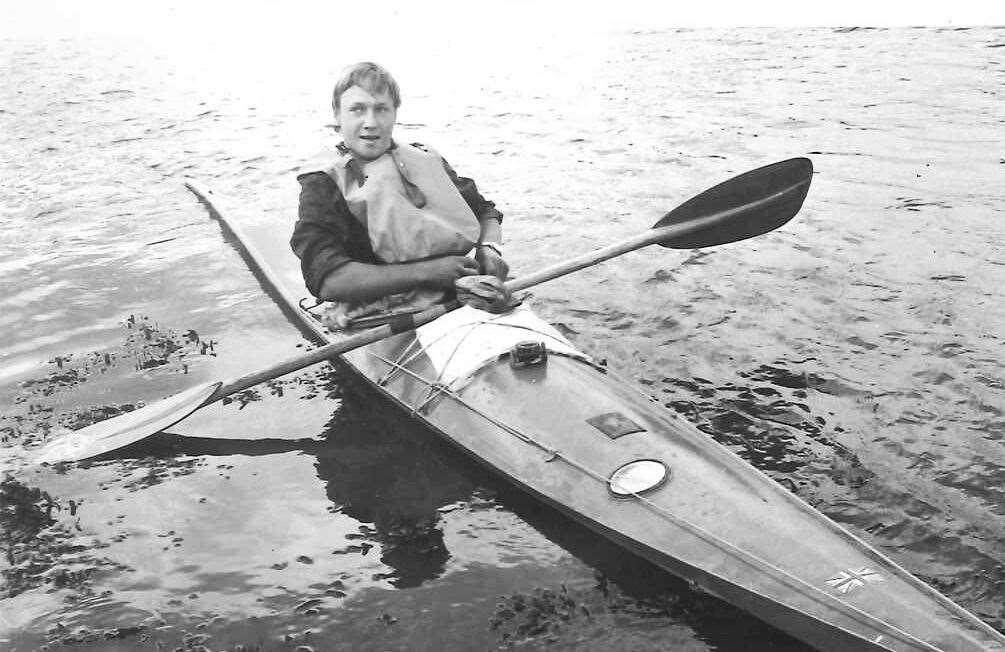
<point x="366" y="122"/>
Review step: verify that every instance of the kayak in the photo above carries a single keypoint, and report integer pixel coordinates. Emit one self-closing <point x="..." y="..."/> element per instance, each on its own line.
<point x="511" y="391"/>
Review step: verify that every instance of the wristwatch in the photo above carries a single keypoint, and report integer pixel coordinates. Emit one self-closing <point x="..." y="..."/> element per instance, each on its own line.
<point x="494" y="246"/>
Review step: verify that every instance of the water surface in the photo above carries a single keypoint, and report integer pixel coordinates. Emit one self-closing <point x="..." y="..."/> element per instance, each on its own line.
<point x="854" y="355"/>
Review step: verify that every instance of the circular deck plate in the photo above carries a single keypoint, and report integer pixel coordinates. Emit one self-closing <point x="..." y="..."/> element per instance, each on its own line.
<point x="638" y="477"/>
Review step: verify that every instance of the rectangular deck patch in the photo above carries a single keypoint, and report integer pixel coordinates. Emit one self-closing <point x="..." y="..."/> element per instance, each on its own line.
<point x="614" y="424"/>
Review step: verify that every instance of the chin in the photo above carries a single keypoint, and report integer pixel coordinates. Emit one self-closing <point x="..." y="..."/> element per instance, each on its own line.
<point x="370" y="153"/>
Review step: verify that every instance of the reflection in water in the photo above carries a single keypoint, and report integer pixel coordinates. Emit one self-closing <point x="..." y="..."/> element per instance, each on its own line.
<point x="373" y="469"/>
<point x="397" y="480"/>
<point x="376" y="476"/>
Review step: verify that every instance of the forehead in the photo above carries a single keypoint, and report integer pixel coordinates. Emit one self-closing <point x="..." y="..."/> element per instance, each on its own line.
<point x="358" y="95"/>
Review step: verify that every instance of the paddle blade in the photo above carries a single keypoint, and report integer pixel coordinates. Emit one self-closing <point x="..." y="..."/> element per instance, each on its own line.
<point x="747" y="205"/>
<point x="124" y="429"/>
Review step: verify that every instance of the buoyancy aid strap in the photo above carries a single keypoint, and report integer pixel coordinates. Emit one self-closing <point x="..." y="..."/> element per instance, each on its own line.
<point x="344" y="169"/>
<point x="326" y="161"/>
<point x="412" y="190"/>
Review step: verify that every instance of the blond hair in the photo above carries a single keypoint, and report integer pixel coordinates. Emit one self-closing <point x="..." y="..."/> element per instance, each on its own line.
<point x="370" y="77"/>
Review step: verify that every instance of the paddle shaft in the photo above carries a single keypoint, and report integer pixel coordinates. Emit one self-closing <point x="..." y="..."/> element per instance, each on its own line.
<point x="329" y="351"/>
<point x="652" y="236"/>
<point x="410" y="322"/>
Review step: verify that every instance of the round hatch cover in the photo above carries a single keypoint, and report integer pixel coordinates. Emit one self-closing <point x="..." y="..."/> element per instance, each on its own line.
<point x="638" y="477"/>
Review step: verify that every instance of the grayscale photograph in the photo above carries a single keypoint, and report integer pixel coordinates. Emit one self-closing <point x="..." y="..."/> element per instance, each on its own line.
<point x="502" y="327"/>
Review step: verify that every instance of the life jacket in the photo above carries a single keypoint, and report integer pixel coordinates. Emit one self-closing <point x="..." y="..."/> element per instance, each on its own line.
<point x="411" y="210"/>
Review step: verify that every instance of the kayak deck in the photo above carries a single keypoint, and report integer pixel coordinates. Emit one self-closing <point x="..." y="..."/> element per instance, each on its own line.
<point x="561" y="427"/>
<point x="717" y="522"/>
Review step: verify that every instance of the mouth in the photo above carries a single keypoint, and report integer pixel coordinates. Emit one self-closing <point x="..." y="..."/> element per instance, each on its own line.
<point x="371" y="139"/>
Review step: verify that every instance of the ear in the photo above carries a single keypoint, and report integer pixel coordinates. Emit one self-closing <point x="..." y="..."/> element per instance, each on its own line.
<point x="336" y="126"/>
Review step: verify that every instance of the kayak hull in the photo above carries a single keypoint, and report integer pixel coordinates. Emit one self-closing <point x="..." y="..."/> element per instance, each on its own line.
<point x="558" y="425"/>
<point x="718" y="523"/>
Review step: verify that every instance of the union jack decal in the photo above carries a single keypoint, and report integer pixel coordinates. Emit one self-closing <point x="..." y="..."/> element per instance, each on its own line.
<point x="848" y="580"/>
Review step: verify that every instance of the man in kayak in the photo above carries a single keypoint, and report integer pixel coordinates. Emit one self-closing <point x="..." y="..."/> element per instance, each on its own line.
<point x="386" y="227"/>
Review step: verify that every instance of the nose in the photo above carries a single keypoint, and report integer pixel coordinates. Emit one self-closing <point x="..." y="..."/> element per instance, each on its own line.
<point x="369" y="120"/>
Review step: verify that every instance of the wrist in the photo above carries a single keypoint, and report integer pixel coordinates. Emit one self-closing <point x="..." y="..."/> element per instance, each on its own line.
<point x="494" y="246"/>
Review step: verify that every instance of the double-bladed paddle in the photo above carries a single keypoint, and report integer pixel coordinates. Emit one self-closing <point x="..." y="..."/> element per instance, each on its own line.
<point x="745" y="206"/>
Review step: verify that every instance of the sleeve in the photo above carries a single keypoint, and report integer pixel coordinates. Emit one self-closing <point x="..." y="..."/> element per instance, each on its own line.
<point x="481" y="207"/>
<point x="324" y="233"/>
